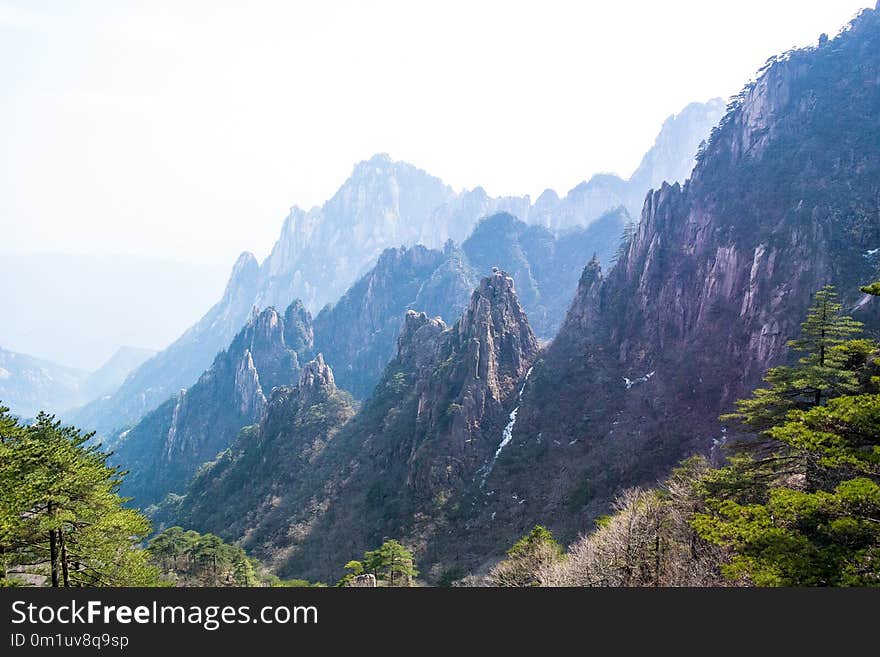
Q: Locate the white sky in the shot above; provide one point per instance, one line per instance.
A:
(186, 129)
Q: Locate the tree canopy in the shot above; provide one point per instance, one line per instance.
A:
(61, 516)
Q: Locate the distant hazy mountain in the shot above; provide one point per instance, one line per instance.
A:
(29, 385)
(107, 378)
(77, 310)
(383, 204)
(671, 159)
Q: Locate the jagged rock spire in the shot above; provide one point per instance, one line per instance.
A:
(316, 373)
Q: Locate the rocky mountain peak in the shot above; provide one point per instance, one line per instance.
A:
(417, 344)
(583, 313)
(497, 329)
(315, 374)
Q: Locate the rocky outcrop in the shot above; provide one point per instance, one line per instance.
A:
(273, 468)
(404, 466)
(167, 446)
(358, 334)
(544, 265)
(316, 374)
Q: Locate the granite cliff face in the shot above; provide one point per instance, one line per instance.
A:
(784, 199)
(166, 447)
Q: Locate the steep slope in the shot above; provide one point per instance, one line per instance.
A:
(785, 198)
(167, 446)
(252, 479)
(403, 465)
(357, 335)
(29, 385)
(545, 266)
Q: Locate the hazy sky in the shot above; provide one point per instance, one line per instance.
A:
(186, 129)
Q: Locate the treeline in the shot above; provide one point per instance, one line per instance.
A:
(796, 505)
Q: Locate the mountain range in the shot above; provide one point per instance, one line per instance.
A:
(29, 385)
(476, 432)
(384, 204)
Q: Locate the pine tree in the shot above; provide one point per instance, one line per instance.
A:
(831, 365)
(61, 510)
(808, 514)
(391, 560)
(626, 238)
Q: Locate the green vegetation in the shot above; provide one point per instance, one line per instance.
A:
(529, 561)
(391, 563)
(799, 506)
(807, 513)
(62, 521)
(188, 558)
(831, 365)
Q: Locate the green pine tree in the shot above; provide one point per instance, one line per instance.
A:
(832, 364)
(61, 512)
(391, 562)
(808, 514)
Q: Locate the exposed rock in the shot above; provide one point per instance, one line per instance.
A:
(167, 446)
(717, 278)
(315, 374)
(384, 204)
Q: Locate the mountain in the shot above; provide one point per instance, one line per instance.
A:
(29, 385)
(166, 447)
(358, 334)
(383, 204)
(253, 477)
(321, 253)
(670, 159)
(784, 199)
(473, 435)
(107, 378)
(402, 466)
(545, 266)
